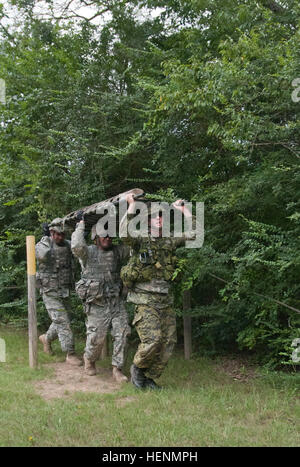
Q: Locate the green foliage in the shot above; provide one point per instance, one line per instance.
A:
(225, 130)
(194, 103)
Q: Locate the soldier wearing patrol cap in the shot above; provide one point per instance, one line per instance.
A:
(100, 289)
(54, 279)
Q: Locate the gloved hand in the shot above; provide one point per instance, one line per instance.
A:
(45, 229)
(80, 216)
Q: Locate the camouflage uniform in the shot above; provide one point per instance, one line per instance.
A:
(54, 279)
(149, 284)
(100, 290)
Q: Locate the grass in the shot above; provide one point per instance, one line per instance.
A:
(200, 406)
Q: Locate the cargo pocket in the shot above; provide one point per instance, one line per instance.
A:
(53, 283)
(94, 290)
(48, 284)
(81, 289)
(137, 318)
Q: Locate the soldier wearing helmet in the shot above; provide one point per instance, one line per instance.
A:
(54, 279)
(100, 289)
(148, 276)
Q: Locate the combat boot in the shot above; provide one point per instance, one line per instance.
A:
(89, 367)
(118, 375)
(151, 384)
(138, 378)
(72, 359)
(46, 344)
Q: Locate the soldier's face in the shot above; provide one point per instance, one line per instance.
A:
(105, 243)
(58, 238)
(156, 222)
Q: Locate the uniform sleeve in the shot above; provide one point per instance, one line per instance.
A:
(72, 262)
(124, 252)
(188, 235)
(132, 242)
(42, 249)
(78, 244)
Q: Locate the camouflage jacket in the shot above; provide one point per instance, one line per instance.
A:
(100, 269)
(151, 266)
(55, 267)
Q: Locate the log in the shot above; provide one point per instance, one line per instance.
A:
(94, 212)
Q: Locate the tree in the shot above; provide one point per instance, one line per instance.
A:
(192, 103)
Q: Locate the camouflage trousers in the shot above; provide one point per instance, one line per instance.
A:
(101, 319)
(57, 308)
(156, 328)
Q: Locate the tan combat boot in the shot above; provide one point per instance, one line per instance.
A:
(118, 375)
(46, 344)
(89, 367)
(72, 359)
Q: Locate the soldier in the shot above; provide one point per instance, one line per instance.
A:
(54, 279)
(100, 289)
(148, 277)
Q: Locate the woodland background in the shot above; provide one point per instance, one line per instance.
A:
(185, 99)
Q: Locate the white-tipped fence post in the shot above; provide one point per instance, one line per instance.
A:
(31, 283)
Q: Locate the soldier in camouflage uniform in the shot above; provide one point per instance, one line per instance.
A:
(148, 277)
(100, 289)
(54, 279)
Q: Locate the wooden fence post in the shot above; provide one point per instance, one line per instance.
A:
(104, 351)
(31, 283)
(187, 325)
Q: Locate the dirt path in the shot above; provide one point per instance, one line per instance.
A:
(68, 379)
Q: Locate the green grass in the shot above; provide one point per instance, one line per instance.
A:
(200, 406)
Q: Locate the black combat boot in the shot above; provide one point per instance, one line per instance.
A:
(137, 376)
(151, 384)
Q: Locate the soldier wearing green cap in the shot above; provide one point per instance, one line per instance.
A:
(54, 279)
(148, 276)
(100, 289)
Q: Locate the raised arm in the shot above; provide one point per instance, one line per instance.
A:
(195, 224)
(130, 214)
(78, 244)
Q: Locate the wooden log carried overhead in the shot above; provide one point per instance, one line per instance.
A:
(94, 212)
